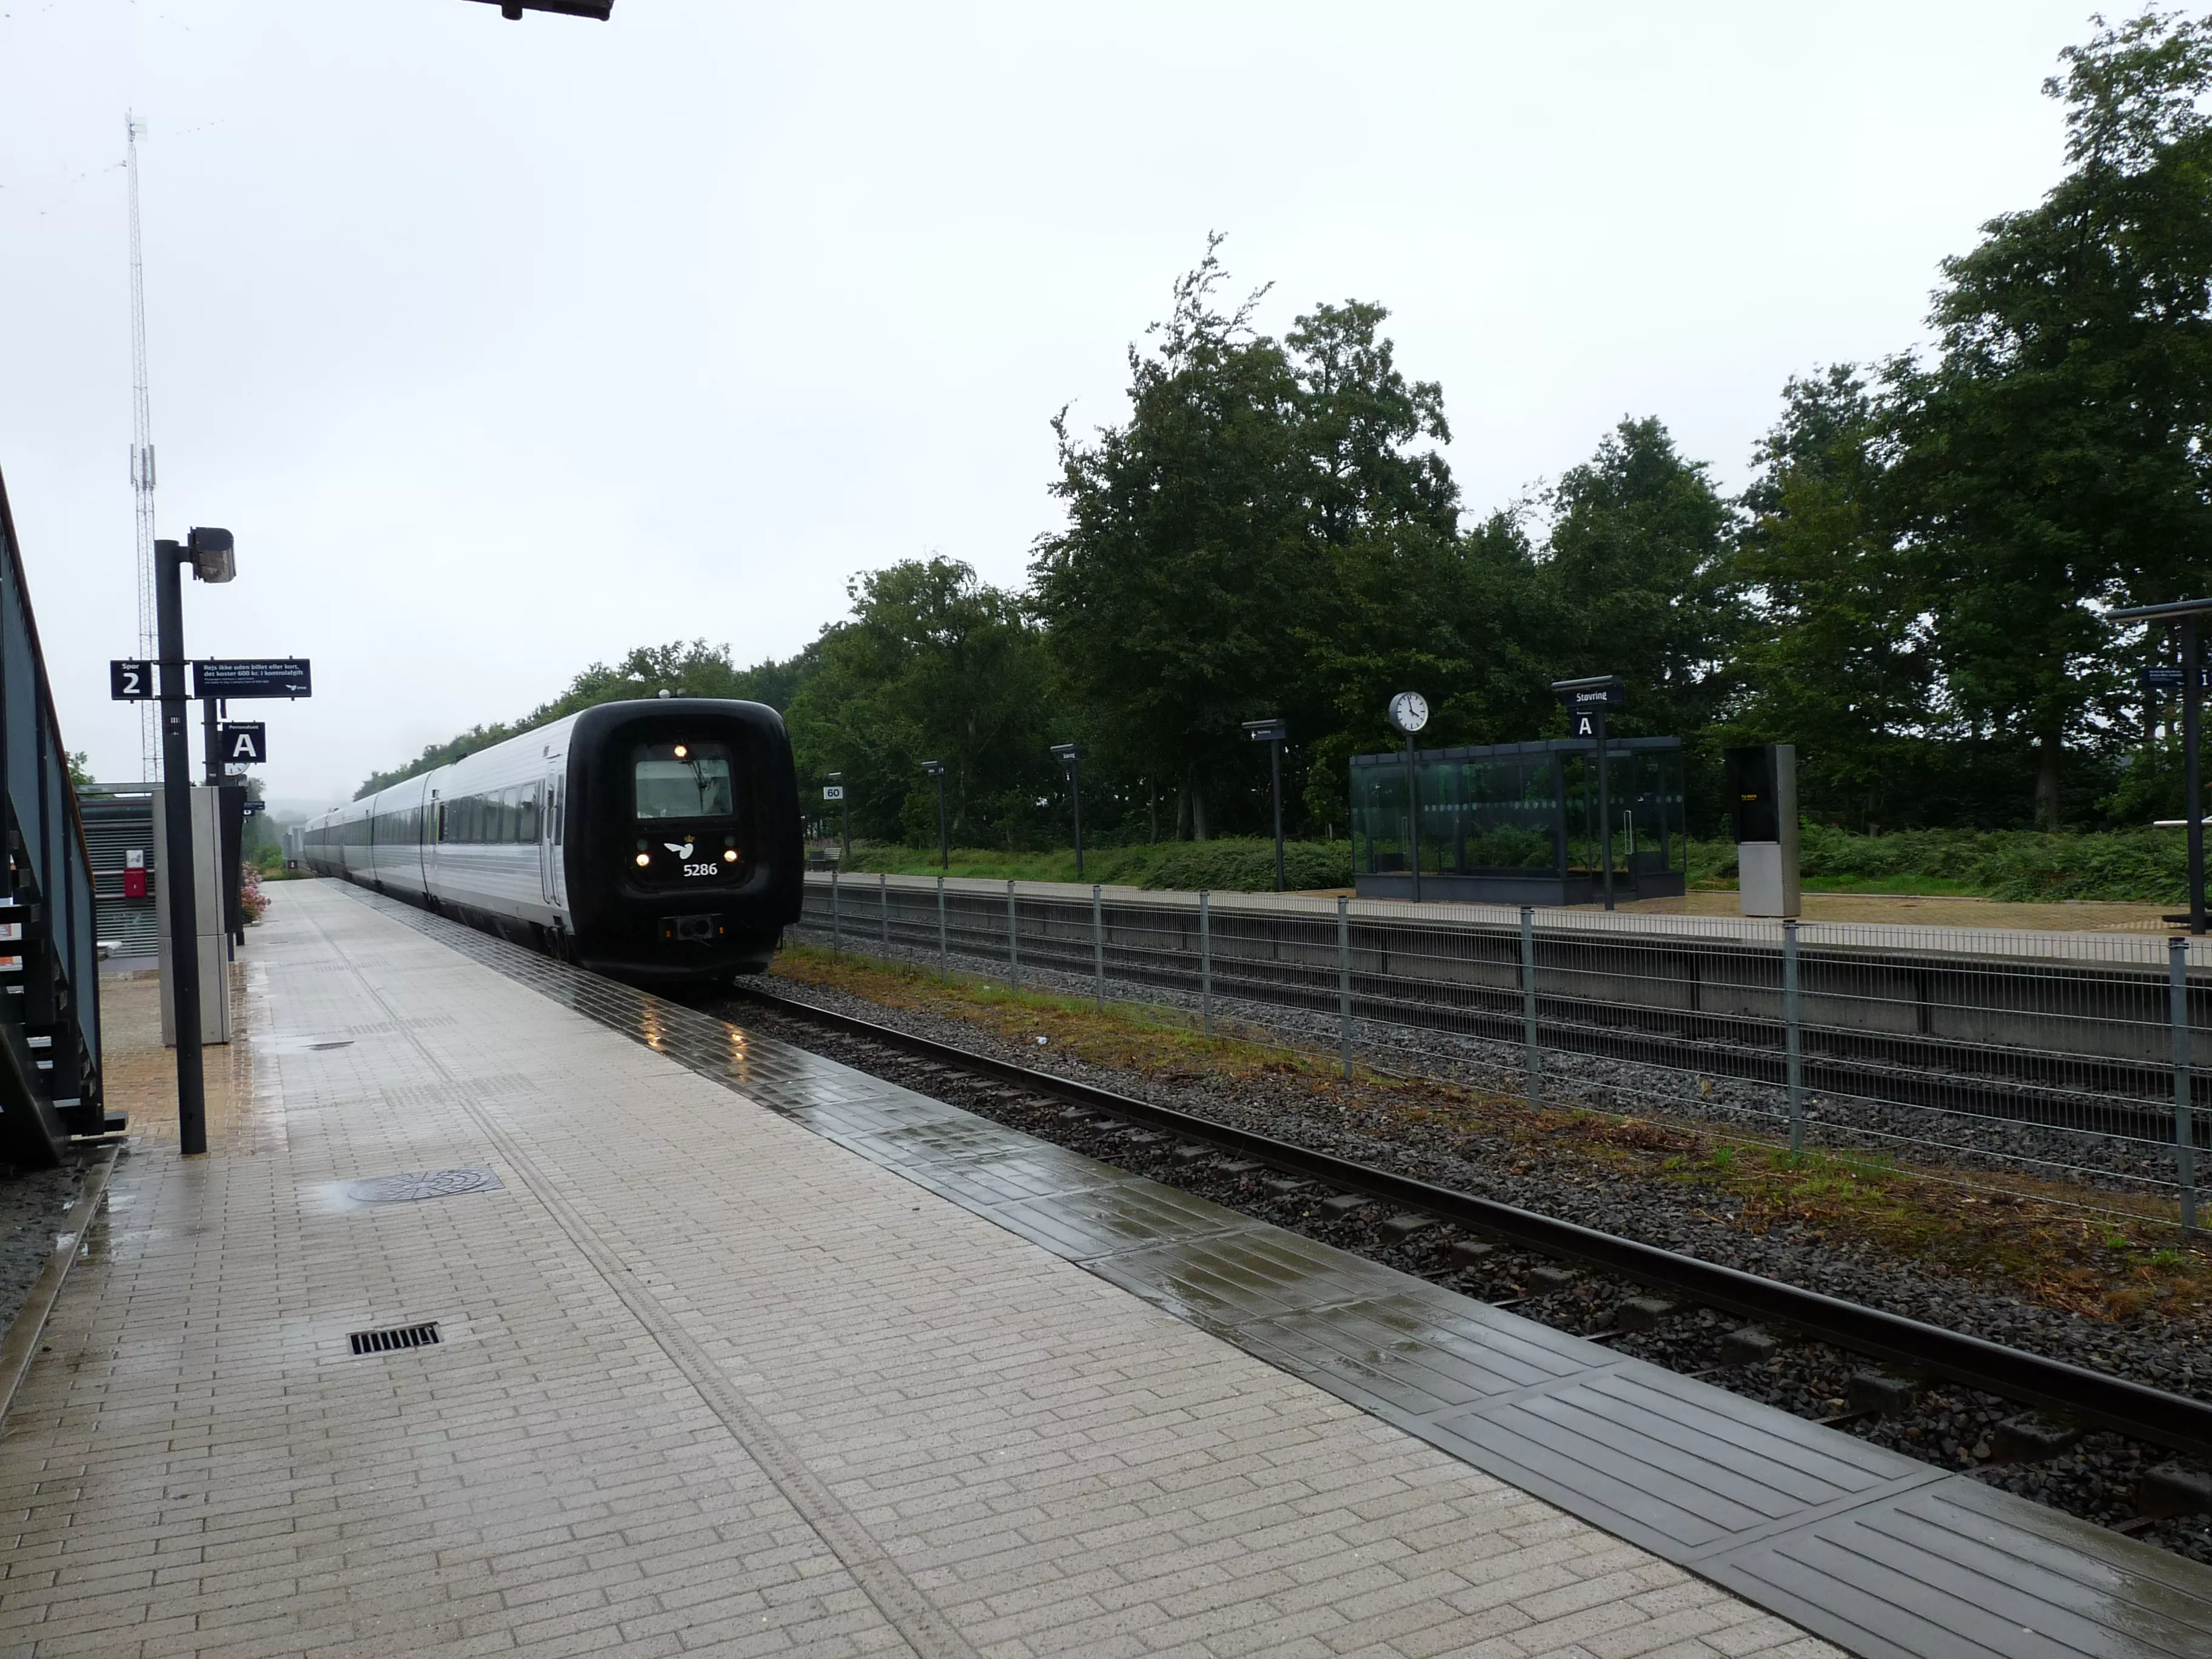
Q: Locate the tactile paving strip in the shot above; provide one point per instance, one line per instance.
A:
(1887, 1557)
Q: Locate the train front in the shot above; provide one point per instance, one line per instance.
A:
(683, 856)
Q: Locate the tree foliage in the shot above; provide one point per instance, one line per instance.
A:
(1913, 588)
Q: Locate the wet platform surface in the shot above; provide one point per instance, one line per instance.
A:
(1879, 1552)
(705, 1381)
(709, 1383)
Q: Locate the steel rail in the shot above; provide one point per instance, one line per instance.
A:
(2096, 1398)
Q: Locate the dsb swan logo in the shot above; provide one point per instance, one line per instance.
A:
(682, 849)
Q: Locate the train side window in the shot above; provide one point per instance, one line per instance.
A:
(553, 806)
(529, 834)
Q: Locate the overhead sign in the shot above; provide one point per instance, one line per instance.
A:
(131, 680)
(254, 807)
(227, 677)
(244, 744)
(1266, 731)
(833, 792)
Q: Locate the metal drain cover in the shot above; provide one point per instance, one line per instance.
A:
(431, 1183)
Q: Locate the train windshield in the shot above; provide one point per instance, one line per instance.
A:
(684, 780)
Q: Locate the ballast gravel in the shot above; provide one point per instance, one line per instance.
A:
(1940, 1423)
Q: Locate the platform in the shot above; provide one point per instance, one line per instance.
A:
(741, 1351)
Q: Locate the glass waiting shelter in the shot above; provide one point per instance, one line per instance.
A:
(1517, 822)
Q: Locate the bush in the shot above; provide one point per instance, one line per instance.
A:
(1248, 866)
(2145, 866)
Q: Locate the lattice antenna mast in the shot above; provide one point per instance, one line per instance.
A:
(141, 460)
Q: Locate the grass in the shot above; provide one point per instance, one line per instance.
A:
(2040, 1240)
(1236, 863)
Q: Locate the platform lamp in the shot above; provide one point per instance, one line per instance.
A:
(1274, 735)
(213, 558)
(936, 769)
(1071, 758)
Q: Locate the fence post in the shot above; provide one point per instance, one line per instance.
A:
(1098, 944)
(1205, 965)
(883, 899)
(1344, 987)
(833, 909)
(1529, 1002)
(2184, 1127)
(1013, 938)
(943, 966)
(1792, 1038)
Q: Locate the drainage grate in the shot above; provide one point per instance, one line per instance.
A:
(392, 1341)
(431, 1183)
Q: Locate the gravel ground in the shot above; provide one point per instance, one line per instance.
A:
(33, 1203)
(1963, 1142)
(1940, 1423)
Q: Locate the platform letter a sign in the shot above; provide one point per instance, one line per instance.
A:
(1585, 725)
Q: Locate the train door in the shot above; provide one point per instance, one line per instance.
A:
(552, 841)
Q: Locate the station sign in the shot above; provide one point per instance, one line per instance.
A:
(1266, 731)
(131, 680)
(274, 677)
(243, 744)
(254, 807)
(1610, 692)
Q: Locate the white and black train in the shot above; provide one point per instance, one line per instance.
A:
(652, 840)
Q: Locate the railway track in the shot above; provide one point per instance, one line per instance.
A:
(2065, 1390)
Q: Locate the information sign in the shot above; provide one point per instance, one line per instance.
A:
(131, 680)
(2169, 676)
(244, 744)
(227, 677)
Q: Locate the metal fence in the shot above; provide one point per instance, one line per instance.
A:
(50, 1078)
(2071, 1066)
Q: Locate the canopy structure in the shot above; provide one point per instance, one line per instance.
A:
(1517, 822)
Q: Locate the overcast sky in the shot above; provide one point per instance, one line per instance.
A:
(504, 347)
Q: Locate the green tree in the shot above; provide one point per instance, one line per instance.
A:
(1639, 561)
(2055, 451)
(933, 665)
(1837, 657)
(1182, 588)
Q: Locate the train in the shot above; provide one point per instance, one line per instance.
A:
(652, 840)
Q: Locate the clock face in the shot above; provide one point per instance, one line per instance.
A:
(1409, 711)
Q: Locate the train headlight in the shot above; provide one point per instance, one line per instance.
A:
(644, 859)
(681, 751)
(729, 855)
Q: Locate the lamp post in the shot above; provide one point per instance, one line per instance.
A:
(1409, 712)
(835, 790)
(1586, 701)
(2189, 678)
(936, 769)
(1274, 735)
(210, 554)
(1071, 757)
